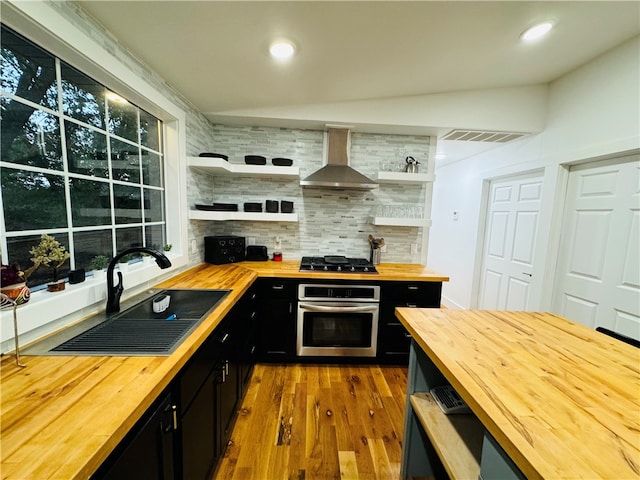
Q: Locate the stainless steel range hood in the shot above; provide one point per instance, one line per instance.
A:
(337, 173)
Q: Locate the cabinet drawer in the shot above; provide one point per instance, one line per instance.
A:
(395, 339)
(278, 289)
(412, 294)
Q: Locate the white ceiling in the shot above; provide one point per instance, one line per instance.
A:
(216, 53)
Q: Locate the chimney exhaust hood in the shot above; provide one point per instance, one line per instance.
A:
(337, 173)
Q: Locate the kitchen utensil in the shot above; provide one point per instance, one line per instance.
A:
(255, 160)
(225, 207)
(214, 155)
(272, 206)
(412, 165)
(286, 207)
(282, 162)
(252, 207)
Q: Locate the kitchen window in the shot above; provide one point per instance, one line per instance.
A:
(77, 162)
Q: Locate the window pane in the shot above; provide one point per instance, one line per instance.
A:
(18, 252)
(128, 204)
(29, 136)
(27, 71)
(32, 200)
(86, 151)
(154, 236)
(153, 205)
(123, 119)
(151, 168)
(128, 237)
(87, 245)
(149, 131)
(90, 203)
(125, 161)
(82, 97)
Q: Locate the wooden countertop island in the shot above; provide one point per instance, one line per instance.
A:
(561, 400)
(63, 415)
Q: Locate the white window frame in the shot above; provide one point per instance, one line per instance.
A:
(41, 23)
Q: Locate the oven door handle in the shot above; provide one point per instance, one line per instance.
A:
(337, 309)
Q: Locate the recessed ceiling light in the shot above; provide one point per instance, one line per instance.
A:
(282, 50)
(536, 32)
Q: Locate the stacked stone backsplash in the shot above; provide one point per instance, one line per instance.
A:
(330, 221)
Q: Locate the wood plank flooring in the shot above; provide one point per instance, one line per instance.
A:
(303, 422)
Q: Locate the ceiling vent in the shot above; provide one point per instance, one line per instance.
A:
(482, 136)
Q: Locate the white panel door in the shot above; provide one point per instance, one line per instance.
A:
(510, 234)
(598, 274)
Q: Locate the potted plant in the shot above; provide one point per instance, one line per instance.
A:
(123, 262)
(13, 283)
(98, 264)
(51, 254)
(166, 247)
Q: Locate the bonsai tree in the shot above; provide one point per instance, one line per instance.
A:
(49, 253)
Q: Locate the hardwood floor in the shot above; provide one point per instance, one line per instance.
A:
(303, 422)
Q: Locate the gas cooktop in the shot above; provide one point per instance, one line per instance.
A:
(337, 263)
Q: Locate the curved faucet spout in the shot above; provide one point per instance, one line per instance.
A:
(114, 292)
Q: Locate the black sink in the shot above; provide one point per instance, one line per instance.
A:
(138, 330)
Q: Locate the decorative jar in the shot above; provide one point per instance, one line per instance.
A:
(18, 292)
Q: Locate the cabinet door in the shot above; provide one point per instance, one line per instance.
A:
(226, 403)
(393, 338)
(147, 451)
(277, 319)
(198, 433)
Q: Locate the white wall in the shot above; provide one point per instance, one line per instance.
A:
(593, 112)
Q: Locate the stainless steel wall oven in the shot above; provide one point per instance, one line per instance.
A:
(337, 320)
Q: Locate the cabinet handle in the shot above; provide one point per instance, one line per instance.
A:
(277, 287)
(290, 307)
(253, 315)
(253, 349)
(226, 367)
(224, 338)
(224, 376)
(174, 419)
(412, 287)
(412, 305)
(253, 297)
(407, 335)
(527, 274)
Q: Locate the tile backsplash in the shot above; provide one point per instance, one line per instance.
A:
(330, 221)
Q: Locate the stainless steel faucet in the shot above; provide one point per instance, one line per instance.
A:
(115, 291)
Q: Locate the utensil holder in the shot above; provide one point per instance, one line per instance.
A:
(375, 256)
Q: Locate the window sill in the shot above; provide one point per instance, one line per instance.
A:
(47, 312)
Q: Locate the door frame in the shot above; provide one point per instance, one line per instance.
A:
(554, 195)
(483, 226)
(603, 161)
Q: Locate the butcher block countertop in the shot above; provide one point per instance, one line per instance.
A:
(386, 271)
(62, 416)
(561, 399)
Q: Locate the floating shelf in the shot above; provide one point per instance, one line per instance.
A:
(402, 177)
(245, 216)
(400, 221)
(219, 166)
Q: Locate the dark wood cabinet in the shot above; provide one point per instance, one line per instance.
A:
(147, 452)
(393, 338)
(277, 319)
